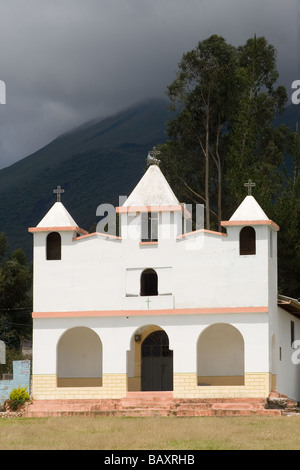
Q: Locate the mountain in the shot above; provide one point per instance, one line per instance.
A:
(94, 164)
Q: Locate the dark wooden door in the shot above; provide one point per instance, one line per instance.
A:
(157, 363)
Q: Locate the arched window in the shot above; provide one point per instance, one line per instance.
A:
(247, 241)
(53, 246)
(149, 282)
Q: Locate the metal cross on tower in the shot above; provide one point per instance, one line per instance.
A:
(154, 153)
(58, 191)
(151, 159)
(250, 185)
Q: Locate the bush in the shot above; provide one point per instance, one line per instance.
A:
(17, 398)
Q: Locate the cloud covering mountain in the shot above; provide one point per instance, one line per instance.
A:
(67, 61)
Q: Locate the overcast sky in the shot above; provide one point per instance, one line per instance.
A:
(67, 61)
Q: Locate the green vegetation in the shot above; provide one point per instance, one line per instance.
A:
(17, 398)
(15, 302)
(83, 433)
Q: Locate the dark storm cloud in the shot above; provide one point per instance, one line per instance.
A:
(67, 61)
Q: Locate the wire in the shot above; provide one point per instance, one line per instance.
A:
(16, 308)
(18, 324)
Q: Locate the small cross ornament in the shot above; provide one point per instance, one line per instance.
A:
(151, 159)
(250, 185)
(58, 191)
(154, 153)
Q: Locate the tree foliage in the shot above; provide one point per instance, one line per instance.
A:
(227, 99)
(256, 147)
(15, 295)
(205, 89)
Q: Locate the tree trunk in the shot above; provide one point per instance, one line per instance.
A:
(207, 214)
(219, 168)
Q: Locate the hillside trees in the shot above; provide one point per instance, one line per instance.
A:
(15, 295)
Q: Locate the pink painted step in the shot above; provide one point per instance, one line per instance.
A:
(151, 404)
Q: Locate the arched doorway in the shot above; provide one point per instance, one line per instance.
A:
(157, 362)
(220, 356)
(79, 358)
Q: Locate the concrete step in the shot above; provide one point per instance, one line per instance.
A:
(234, 406)
(154, 412)
(150, 395)
(72, 404)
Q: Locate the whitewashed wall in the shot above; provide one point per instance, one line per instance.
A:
(198, 271)
(116, 334)
(286, 367)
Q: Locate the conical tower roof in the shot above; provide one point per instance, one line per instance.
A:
(59, 219)
(249, 209)
(152, 189)
(249, 212)
(57, 216)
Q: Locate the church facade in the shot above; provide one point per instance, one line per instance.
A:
(159, 308)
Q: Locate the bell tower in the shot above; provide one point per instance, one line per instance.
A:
(254, 246)
(52, 252)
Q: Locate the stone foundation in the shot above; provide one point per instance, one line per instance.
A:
(44, 387)
(256, 385)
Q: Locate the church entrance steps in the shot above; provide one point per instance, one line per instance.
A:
(143, 404)
(225, 407)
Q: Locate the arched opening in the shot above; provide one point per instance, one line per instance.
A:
(134, 356)
(149, 282)
(79, 358)
(247, 241)
(220, 356)
(53, 246)
(156, 362)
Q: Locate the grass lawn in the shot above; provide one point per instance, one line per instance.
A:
(110, 433)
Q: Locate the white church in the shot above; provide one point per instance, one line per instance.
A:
(159, 308)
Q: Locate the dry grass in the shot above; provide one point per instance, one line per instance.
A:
(80, 433)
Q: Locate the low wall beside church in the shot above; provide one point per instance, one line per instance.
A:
(21, 378)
